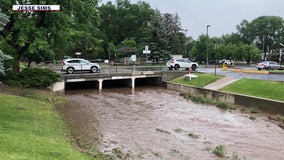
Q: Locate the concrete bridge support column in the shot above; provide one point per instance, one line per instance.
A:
(100, 84)
(133, 82)
(58, 86)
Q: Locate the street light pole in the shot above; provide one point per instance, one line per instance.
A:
(185, 43)
(207, 45)
(216, 48)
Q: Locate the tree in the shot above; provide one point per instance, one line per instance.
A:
(199, 49)
(130, 42)
(158, 40)
(161, 32)
(123, 20)
(226, 51)
(265, 31)
(233, 38)
(249, 52)
(74, 28)
(3, 20)
(172, 26)
(3, 57)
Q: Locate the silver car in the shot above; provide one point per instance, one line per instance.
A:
(267, 65)
(181, 63)
(78, 64)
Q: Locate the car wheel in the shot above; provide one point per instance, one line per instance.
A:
(170, 68)
(70, 70)
(94, 69)
(193, 67)
(177, 67)
(259, 69)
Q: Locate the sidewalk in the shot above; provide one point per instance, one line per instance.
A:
(220, 83)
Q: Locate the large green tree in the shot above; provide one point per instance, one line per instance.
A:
(265, 32)
(28, 34)
(123, 20)
(199, 49)
(161, 32)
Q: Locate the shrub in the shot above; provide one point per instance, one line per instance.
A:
(38, 77)
(224, 105)
(220, 151)
(31, 78)
(10, 78)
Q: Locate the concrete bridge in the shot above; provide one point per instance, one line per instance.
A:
(126, 74)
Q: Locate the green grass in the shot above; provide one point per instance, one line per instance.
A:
(32, 129)
(276, 71)
(202, 80)
(259, 88)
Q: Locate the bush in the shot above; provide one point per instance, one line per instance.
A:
(220, 151)
(31, 78)
(38, 77)
(10, 78)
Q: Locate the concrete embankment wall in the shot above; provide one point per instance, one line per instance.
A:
(244, 100)
(170, 75)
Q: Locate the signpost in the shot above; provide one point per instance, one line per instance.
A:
(146, 52)
(78, 54)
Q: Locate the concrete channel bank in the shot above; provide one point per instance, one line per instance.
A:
(269, 105)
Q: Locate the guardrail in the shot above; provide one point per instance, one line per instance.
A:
(120, 70)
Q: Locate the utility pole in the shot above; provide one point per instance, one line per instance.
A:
(207, 38)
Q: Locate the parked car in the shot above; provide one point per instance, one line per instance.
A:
(181, 63)
(78, 64)
(212, 61)
(267, 65)
(226, 61)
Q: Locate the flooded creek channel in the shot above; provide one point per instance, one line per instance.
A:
(154, 123)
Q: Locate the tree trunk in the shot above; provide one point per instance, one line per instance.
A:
(16, 64)
(29, 63)
(18, 56)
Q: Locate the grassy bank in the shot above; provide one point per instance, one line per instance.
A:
(259, 88)
(202, 80)
(31, 128)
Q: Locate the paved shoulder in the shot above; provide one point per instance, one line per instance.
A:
(220, 83)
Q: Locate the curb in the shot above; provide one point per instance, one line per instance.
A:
(250, 71)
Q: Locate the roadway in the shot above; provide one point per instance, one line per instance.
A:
(239, 75)
(211, 69)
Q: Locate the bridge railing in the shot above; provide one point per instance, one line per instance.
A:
(118, 70)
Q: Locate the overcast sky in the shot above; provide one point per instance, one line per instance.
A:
(222, 15)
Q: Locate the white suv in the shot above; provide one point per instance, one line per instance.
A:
(77, 64)
(181, 63)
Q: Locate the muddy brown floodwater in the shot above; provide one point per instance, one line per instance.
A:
(154, 123)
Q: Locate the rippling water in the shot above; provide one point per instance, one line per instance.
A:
(156, 123)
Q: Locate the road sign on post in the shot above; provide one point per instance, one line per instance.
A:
(146, 52)
(78, 54)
